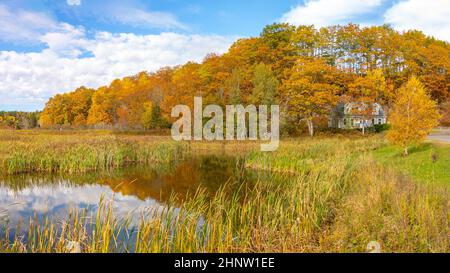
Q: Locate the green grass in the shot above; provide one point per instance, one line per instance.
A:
(420, 163)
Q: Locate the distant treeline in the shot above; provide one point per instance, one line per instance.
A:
(19, 120)
(303, 69)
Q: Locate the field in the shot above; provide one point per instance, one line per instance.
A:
(328, 194)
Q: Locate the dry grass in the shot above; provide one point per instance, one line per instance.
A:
(79, 151)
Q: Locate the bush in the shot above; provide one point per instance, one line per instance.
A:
(381, 127)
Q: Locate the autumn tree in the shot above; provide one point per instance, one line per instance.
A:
(69, 109)
(81, 101)
(102, 111)
(19, 120)
(281, 54)
(147, 116)
(152, 118)
(264, 85)
(413, 116)
(364, 92)
(233, 86)
(445, 113)
(310, 91)
(313, 65)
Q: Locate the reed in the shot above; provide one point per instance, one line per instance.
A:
(80, 152)
(333, 197)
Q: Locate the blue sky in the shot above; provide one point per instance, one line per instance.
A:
(54, 46)
(238, 18)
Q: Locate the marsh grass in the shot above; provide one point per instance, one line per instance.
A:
(81, 152)
(332, 197)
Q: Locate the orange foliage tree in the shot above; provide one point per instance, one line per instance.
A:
(311, 90)
(365, 91)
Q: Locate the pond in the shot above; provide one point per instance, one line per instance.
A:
(132, 189)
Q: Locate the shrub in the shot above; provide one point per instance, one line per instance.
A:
(381, 127)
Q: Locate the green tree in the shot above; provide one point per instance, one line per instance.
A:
(264, 86)
(233, 86)
(152, 117)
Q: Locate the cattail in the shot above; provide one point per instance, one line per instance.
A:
(434, 157)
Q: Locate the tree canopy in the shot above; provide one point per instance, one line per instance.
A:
(304, 69)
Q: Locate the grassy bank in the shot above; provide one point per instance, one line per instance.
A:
(333, 197)
(73, 152)
(427, 163)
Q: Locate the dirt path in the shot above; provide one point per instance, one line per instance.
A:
(441, 136)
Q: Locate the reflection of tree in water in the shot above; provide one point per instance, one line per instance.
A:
(214, 171)
(208, 172)
(158, 182)
(19, 182)
(149, 183)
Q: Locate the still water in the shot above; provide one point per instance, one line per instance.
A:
(133, 189)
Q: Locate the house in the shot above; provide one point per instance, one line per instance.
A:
(349, 116)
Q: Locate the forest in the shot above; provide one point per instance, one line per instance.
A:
(304, 69)
(19, 120)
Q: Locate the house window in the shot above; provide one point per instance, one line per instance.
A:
(379, 121)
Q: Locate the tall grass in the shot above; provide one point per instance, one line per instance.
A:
(333, 197)
(80, 152)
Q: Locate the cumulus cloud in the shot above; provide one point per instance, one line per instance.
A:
(432, 17)
(72, 60)
(74, 2)
(67, 41)
(329, 12)
(24, 26)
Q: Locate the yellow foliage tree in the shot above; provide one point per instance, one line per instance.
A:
(147, 116)
(413, 116)
(310, 91)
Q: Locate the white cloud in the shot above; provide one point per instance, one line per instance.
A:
(74, 2)
(58, 199)
(329, 12)
(20, 25)
(145, 19)
(68, 40)
(432, 17)
(72, 60)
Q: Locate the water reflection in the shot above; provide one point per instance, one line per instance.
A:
(133, 189)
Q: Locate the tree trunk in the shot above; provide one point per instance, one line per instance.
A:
(363, 127)
(310, 127)
(405, 151)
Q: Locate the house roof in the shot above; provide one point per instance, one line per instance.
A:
(340, 110)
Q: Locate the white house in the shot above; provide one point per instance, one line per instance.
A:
(346, 116)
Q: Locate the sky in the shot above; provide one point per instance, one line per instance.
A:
(54, 46)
